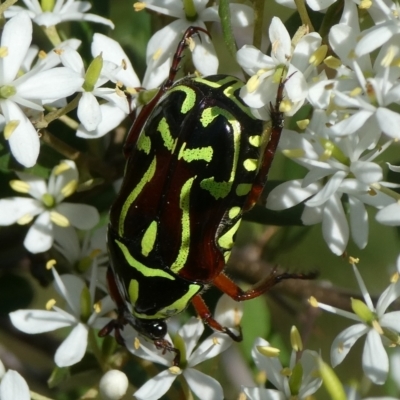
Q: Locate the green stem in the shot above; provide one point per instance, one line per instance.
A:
(302, 10)
(224, 13)
(52, 34)
(258, 22)
(94, 347)
(6, 4)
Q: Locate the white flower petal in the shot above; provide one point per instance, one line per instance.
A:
(375, 360)
(351, 124)
(312, 215)
(40, 234)
(73, 348)
(335, 229)
(328, 190)
(14, 208)
(255, 393)
(39, 321)
(89, 112)
(112, 116)
(202, 385)
(391, 320)
(280, 40)
(71, 59)
(388, 121)
(14, 387)
(190, 333)
(24, 141)
(156, 387)
(390, 215)
(16, 37)
(81, 216)
(289, 194)
(345, 341)
(205, 58)
(358, 222)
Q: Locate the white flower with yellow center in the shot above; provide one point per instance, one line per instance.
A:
(47, 203)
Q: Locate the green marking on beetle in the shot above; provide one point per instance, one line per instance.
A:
(199, 153)
(255, 140)
(174, 308)
(149, 238)
(222, 189)
(234, 212)
(217, 84)
(250, 164)
(226, 241)
(190, 98)
(243, 189)
(133, 291)
(163, 128)
(144, 143)
(184, 203)
(147, 177)
(227, 255)
(145, 271)
(229, 92)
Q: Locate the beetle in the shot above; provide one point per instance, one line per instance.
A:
(197, 159)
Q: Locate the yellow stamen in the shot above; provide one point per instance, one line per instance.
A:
(61, 167)
(332, 62)
(50, 304)
(215, 341)
(394, 278)
(302, 124)
(139, 6)
(97, 307)
(157, 54)
(69, 188)
(42, 54)
(294, 153)
(313, 302)
(59, 219)
(268, 351)
(50, 264)
(19, 186)
(377, 327)
(136, 343)
(286, 372)
(175, 370)
(3, 51)
(365, 4)
(253, 83)
(285, 106)
(9, 129)
(318, 56)
(354, 260)
(25, 219)
(295, 339)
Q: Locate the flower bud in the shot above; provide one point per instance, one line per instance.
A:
(113, 385)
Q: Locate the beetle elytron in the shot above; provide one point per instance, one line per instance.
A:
(196, 162)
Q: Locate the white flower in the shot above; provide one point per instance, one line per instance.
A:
(267, 71)
(113, 385)
(82, 314)
(27, 91)
(162, 44)
(112, 114)
(373, 321)
(316, 5)
(47, 203)
(57, 11)
(81, 252)
(266, 359)
(202, 385)
(337, 166)
(13, 387)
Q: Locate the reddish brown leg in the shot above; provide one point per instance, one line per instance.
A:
(277, 122)
(148, 108)
(223, 283)
(205, 314)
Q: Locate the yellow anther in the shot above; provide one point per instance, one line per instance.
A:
(58, 51)
(332, 62)
(50, 264)
(69, 188)
(253, 83)
(318, 56)
(42, 54)
(377, 327)
(136, 343)
(313, 302)
(3, 51)
(215, 341)
(175, 370)
(25, 219)
(139, 6)
(60, 168)
(302, 124)
(391, 53)
(286, 372)
(268, 351)
(294, 153)
(354, 260)
(97, 307)
(261, 377)
(285, 106)
(356, 92)
(394, 278)
(191, 43)
(19, 186)
(131, 90)
(10, 128)
(59, 219)
(365, 4)
(157, 54)
(50, 304)
(94, 253)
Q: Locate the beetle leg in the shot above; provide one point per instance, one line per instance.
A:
(205, 314)
(226, 285)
